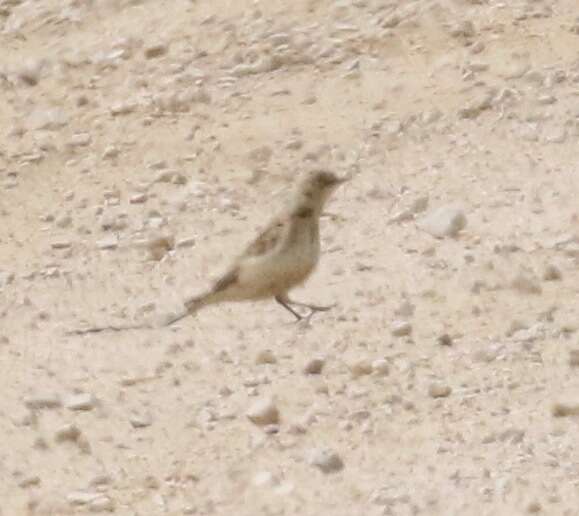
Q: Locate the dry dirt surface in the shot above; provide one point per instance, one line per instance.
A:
(144, 142)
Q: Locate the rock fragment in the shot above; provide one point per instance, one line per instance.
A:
(102, 504)
(462, 29)
(380, 367)
(526, 284)
(68, 432)
(552, 273)
(47, 401)
(263, 412)
(185, 243)
(265, 356)
(83, 401)
(565, 408)
(439, 390)
(361, 367)
(160, 246)
(326, 460)
(94, 501)
(446, 221)
(141, 420)
(401, 328)
(156, 50)
(29, 481)
(108, 243)
(314, 365)
(444, 340)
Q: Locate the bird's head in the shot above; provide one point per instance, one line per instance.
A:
(317, 187)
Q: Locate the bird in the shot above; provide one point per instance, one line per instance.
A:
(280, 258)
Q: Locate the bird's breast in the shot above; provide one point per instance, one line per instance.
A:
(277, 272)
(301, 257)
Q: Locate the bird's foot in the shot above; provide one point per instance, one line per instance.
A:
(313, 309)
(318, 308)
(288, 304)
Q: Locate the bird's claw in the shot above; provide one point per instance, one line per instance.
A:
(313, 309)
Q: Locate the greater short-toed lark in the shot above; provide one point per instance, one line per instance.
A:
(280, 258)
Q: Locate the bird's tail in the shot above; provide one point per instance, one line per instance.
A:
(192, 305)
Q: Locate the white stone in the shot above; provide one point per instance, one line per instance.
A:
(263, 412)
(445, 221)
(326, 460)
(83, 401)
(401, 328)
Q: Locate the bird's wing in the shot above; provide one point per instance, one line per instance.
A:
(268, 239)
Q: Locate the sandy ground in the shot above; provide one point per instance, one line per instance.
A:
(450, 368)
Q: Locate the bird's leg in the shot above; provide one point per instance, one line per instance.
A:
(283, 301)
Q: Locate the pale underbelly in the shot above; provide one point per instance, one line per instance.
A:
(272, 276)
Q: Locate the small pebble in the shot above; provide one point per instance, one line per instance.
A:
(31, 71)
(80, 140)
(122, 108)
(82, 497)
(326, 460)
(80, 402)
(102, 504)
(141, 420)
(462, 29)
(61, 244)
(185, 243)
(446, 221)
(552, 273)
(29, 481)
(108, 243)
(69, 432)
(43, 402)
(64, 221)
(380, 367)
(322, 388)
(565, 409)
(160, 246)
(271, 429)
(405, 310)
(111, 152)
(154, 51)
(263, 412)
(314, 365)
(526, 285)
(40, 444)
(401, 328)
(100, 480)
(439, 390)
(139, 198)
(265, 478)
(444, 340)
(265, 356)
(361, 367)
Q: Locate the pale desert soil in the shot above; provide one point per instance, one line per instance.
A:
(125, 121)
